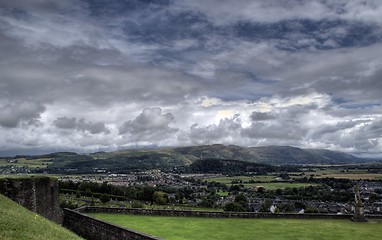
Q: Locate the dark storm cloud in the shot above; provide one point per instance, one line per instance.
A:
(260, 116)
(66, 123)
(286, 123)
(293, 35)
(80, 125)
(333, 129)
(20, 113)
(42, 5)
(373, 130)
(343, 75)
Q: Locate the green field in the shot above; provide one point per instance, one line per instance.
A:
(228, 180)
(18, 223)
(278, 185)
(263, 181)
(354, 176)
(183, 228)
(342, 172)
(32, 163)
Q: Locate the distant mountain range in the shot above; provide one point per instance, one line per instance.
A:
(168, 158)
(276, 155)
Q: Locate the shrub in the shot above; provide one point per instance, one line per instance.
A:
(137, 204)
(234, 207)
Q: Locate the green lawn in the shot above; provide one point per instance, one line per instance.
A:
(18, 223)
(183, 228)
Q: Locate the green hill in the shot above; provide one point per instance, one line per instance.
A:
(292, 155)
(18, 223)
(227, 166)
(217, 151)
(178, 157)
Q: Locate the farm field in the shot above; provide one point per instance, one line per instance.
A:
(21, 162)
(257, 181)
(183, 228)
(354, 176)
(228, 180)
(277, 185)
(343, 172)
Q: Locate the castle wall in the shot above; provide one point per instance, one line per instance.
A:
(38, 194)
(190, 213)
(95, 229)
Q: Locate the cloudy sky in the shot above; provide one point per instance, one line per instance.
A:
(102, 75)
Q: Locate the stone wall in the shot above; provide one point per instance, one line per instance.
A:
(189, 213)
(38, 194)
(91, 228)
(94, 229)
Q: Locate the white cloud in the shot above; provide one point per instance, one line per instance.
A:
(227, 131)
(76, 75)
(151, 126)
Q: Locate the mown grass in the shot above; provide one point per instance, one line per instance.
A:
(189, 228)
(18, 223)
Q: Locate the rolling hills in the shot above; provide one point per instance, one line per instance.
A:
(178, 157)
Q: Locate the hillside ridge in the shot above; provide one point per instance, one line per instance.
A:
(168, 158)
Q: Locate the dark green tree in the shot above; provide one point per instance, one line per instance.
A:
(104, 198)
(234, 207)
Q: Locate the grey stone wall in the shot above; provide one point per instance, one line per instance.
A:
(91, 228)
(38, 194)
(94, 229)
(178, 213)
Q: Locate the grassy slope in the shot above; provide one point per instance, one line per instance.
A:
(18, 223)
(181, 228)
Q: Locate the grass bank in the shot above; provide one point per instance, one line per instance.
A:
(18, 223)
(183, 228)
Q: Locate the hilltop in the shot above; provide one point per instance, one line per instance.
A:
(279, 155)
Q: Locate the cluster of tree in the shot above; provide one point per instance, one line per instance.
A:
(240, 204)
(235, 167)
(159, 195)
(266, 205)
(323, 189)
(115, 164)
